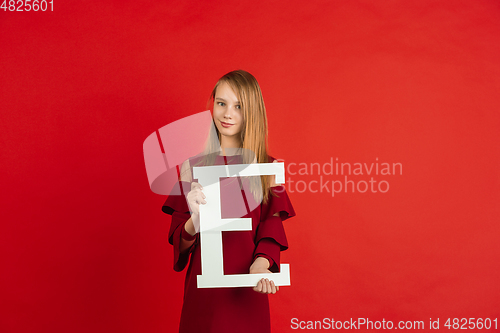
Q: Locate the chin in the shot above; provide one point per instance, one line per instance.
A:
(228, 133)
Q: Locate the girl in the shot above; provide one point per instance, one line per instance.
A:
(240, 123)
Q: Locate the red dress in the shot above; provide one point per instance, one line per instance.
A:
(229, 309)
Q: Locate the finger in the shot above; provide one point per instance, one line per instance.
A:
(277, 288)
(262, 285)
(273, 287)
(201, 199)
(265, 286)
(258, 288)
(269, 287)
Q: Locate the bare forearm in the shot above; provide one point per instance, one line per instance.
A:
(260, 265)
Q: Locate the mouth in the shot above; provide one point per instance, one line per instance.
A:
(226, 125)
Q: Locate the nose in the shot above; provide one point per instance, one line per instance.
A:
(228, 113)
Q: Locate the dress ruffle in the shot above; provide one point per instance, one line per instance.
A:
(272, 228)
(270, 238)
(275, 211)
(279, 204)
(176, 205)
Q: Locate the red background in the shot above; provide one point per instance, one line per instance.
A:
(83, 241)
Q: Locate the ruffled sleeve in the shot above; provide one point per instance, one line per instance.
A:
(279, 204)
(176, 206)
(270, 237)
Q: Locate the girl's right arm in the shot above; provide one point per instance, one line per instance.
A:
(194, 198)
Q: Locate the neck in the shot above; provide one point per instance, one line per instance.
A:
(231, 144)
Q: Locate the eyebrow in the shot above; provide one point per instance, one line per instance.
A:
(222, 99)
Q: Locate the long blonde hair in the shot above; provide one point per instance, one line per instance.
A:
(254, 133)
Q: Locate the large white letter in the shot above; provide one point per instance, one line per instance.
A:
(212, 224)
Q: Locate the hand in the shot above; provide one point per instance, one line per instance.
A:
(264, 286)
(194, 198)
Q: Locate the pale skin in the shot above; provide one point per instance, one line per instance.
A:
(229, 121)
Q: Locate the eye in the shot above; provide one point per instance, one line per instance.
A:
(221, 103)
(238, 106)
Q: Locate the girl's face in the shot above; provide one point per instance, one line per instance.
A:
(228, 116)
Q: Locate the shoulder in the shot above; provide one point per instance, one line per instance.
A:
(272, 159)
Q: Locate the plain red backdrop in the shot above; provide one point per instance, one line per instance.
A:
(83, 241)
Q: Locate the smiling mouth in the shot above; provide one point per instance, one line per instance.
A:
(226, 124)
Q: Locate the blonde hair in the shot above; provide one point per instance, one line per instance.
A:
(254, 132)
